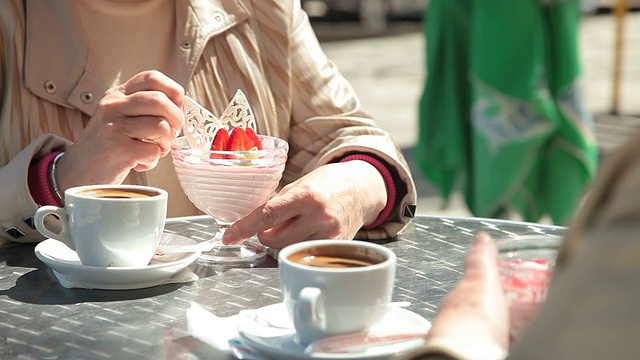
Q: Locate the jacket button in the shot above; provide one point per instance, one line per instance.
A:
(49, 86)
(186, 46)
(86, 97)
(218, 16)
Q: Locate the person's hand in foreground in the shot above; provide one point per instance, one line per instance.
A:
(131, 128)
(473, 319)
(332, 202)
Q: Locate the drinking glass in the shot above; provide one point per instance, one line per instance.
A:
(526, 264)
(228, 185)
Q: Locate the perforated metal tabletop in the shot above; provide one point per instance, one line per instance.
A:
(39, 319)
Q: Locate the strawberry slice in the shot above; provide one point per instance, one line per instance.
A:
(220, 141)
(239, 141)
(254, 138)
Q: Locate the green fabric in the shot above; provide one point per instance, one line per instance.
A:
(501, 113)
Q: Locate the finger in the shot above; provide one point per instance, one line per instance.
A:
(146, 167)
(154, 81)
(275, 212)
(136, 154)
(305, 226)
(150, 129)
(153, 103)
(292, 231)
(106, 159)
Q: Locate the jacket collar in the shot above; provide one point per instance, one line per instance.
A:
(58, 66)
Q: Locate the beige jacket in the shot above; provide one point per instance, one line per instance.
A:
(267, 48)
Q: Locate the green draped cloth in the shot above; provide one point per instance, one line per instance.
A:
(502, 114)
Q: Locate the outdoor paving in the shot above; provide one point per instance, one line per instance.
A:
(388, 74)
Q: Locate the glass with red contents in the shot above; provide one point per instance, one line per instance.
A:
(526, 264)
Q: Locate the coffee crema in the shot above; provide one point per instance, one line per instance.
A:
(118, 193)
(337, 257)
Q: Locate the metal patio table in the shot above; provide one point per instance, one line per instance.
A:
(39, 319)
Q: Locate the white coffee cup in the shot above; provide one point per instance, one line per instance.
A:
(109, 225)
(323, 300)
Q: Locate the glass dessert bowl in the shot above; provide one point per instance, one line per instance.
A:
(228, 185)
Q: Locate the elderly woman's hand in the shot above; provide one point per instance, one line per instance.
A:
(132, 127)
(332, 202)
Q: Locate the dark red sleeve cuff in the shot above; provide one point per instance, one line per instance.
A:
(39, 180)
(388, 183)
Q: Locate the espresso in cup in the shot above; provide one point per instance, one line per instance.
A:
(343, 256)
(118, 192)
(333, 287)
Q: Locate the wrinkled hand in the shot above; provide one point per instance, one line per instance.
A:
(132, 127)
(332, 202)
(476, 309)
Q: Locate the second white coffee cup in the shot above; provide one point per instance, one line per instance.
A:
(333, 287)
(109, 225)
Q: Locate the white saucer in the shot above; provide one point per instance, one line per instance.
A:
(67, 267)
(271, 333)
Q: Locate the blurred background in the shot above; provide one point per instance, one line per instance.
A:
(379, 45)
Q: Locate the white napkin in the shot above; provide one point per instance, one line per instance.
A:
(183, 276)
(219, 332)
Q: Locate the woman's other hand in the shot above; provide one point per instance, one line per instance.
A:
(332, 202)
